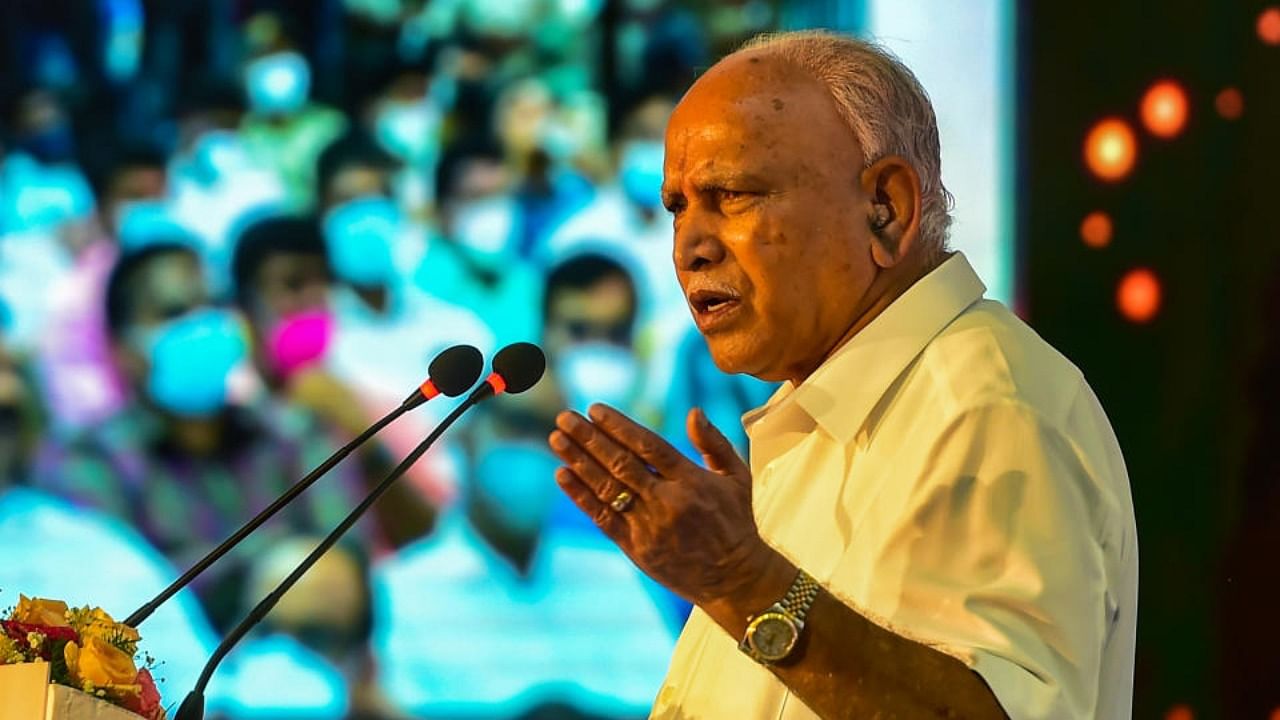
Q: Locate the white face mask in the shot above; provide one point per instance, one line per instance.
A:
(409, 130)
(278, 84)
(216, 155)
(597, 372)
(486, 227)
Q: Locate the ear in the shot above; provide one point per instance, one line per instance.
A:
(894, 185)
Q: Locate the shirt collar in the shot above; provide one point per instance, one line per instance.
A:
(841, 393)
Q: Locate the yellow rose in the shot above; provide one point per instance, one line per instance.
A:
(101, 663)
(97, 623)
(37, 611)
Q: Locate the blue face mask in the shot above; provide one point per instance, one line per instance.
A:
(191, 359)
(517, 482)
(277, 84)
(140, 223)
(592, 372)
(409, 130)
(46, 197)
(640, 172)
(359, 235)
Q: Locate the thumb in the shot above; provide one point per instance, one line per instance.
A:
(717, 452)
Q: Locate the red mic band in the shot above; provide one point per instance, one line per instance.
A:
(497, 383)
(429, 389)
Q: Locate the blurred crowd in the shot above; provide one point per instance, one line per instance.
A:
(233, 234)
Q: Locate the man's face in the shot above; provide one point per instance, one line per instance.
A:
(772, 245)
(600, 313)
(169, 287)
(131, 184)
(356, 181)
(289, 283)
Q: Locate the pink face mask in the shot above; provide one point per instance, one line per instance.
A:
(299, 340)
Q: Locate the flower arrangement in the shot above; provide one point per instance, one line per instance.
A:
(85, 648)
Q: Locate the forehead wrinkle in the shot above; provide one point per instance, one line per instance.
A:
(743, 90)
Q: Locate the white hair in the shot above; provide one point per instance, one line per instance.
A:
(884, 105)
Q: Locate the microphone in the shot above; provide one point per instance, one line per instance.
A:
(451, 373)
(516, 368)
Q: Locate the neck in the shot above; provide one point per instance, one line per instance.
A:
(199, 436)
(375, 297)
(888, 286)
(517, 548)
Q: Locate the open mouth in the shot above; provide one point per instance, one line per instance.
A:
(712, 305)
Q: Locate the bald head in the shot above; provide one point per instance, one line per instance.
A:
(766, 100)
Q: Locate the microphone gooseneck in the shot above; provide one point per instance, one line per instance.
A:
(457, 367)
(523, 368)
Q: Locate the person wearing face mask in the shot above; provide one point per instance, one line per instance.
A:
(589, 310)
(283, 127)
(284, 284)
(387, 330)
(404, 116)
(193, 453)
(216, 181)
(473, 262)
(589, 331)
(472, 613)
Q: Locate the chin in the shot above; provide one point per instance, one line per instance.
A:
(734, 356)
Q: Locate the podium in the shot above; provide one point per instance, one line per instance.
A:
(26, 694)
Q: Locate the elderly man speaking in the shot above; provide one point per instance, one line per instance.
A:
(936, 519)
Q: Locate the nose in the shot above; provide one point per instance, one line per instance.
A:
(696, 245)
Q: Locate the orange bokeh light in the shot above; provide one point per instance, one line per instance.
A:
(1275, 714)
(1095, 230)
(1179, 712)
(1164, 109)
(1269, 26)
(1138, 296)
(1230, 105)
(1110, 149)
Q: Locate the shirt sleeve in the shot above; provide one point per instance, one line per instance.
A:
(1003, 561)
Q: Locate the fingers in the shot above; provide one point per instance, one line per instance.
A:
(717, 451)
(595, 457)
(639, 440)
(585, 498)
(602, 485)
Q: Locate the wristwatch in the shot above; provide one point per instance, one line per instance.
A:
(772, 635)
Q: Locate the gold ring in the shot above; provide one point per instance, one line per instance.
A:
(622, 501)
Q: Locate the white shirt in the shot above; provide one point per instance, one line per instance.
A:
(388, 354)
(460, 634)
(951, 477)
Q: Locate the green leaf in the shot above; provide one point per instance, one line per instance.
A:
(58, 670)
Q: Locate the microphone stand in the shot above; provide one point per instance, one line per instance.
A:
(192, 707)
(296, 489)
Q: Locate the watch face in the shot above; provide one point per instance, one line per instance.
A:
(773, 635)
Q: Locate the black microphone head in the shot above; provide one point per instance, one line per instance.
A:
(520, 365)
(455, 370)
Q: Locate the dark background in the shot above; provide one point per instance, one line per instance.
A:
(1193, 395)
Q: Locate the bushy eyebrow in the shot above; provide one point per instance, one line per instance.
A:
(719, 179)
